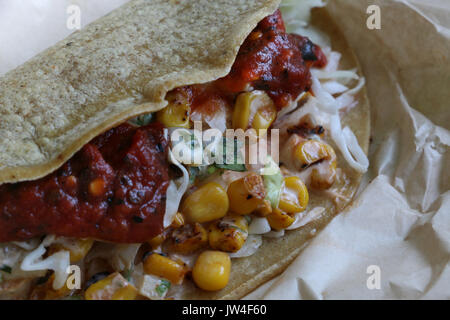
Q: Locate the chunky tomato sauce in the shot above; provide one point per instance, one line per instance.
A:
(270, 60)
(113, 189)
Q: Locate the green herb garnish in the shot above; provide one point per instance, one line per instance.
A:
(127, 274)
(163, 287)
(142, 120)
(235, 163)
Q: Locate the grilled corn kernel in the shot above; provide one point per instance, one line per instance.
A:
(188, 238)
(264, 209)
(264, 117)
(208, 203)
(228, 234)
(78, 248)
(279, 220)
(246, 194)
(253, 109)
(164, 267)
(156, 241)
(310, 152)
(323, 175)
(113, 287)
(176, 113)
(178, 220)
(211, 271)
(294, 197)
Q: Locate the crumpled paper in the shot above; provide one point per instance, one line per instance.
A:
(394, 240)
(397, 231)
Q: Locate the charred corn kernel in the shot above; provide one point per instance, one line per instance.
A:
(310, 152)
(113, 287)
(97, 187)
(46, 292)
(188, 238)
(253, 109)
(294, 197)
(176, 113)
(78, 248)
(264, 117)
(211, 271)
(323, 175)
(156, 241)
(208, 203)
(164, 267)
(228, 234)
(178, 220)
(264, 209)
(246, 194)
(279, 220)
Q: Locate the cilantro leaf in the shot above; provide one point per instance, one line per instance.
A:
(142, 120)
(163, 287)
(232, 162)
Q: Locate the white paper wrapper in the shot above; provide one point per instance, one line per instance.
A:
(399, 224)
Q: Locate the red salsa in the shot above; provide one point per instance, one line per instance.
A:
(114, 189)
(270, 60)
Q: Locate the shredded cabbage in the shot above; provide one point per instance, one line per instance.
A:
(58, 262)
(175, 192)
(259, 226)
(275, 234)
(250, 246)
(273, 180)
(296, 15)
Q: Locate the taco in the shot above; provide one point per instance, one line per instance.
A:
(105, 176)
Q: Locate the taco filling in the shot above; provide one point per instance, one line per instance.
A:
(128, 186)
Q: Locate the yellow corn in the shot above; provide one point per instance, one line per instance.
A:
(294, 197)
(320, 153)
(253, 110)
(164, 267)
(312, 151)
(211, 271)
(246, 194)
(156, 241)
(113, 287)
(188, 238)
(178, 221)
(129, 292)
(228, 234)
(208, 203)
(324, 175)
(264, 209)
(176, 113)
(279, 220)
(78, 248)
